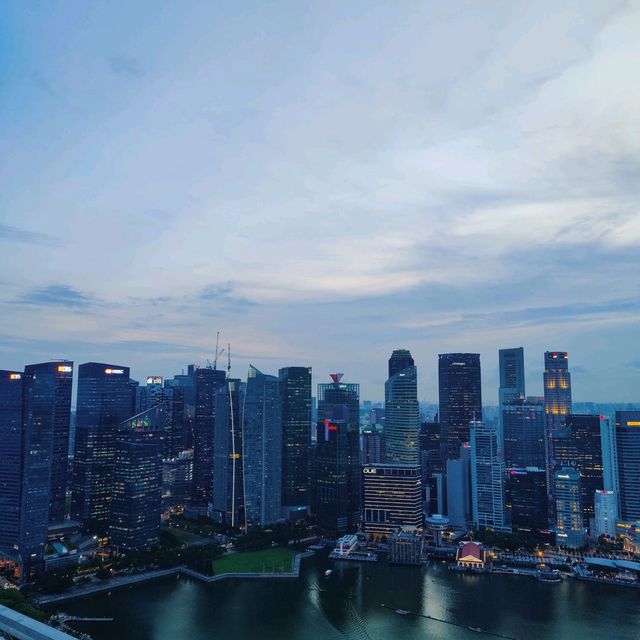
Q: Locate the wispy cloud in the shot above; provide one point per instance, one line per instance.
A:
(57, 295)
(17, 234)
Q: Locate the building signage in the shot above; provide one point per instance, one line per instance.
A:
(111, 372)
(63, 368)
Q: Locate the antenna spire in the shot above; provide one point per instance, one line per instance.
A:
(228, 360)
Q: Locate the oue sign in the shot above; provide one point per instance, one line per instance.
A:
(369, 470)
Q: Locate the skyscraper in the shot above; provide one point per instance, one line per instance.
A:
(295, 394)
(606, 513)
(627, 437)
(134, 521)
(511, 365)
(523, 422)
(527, 499)
(50, 408)
(332, 470)
(104, 401)
(10, 460)
(207, 383)
(262, 442)
(487, 478)
(557, 385)
(347, 394)
(402, 415)
(228, 461)
(460, 398)
(579, 444)
(459, 489)
(569, 525)
(392, 497)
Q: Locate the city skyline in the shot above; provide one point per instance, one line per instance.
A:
(322, 186)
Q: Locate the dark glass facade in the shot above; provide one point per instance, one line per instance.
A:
(104, 402)
(628, 457)
(400, 359)
(347, 394)
(402, 414)
(460, 398)
(527, 499)
(262, 442)
(295, 393)
(523, 423)
(579, 445)
(207, 383)
(10, 459)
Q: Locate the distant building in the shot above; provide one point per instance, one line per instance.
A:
(627, 436)
(346, 544)
(405, 547)
(262, 442)
(606, 513)
(460, 398)
(228, 482)
(104, 402)
(527, 499)
(402, 414)
(392, 497)
(177, 479)
(511, 367)
(523, 424)
(487, 478)
(134, 522)
(372, 445)
(437, 524)
(570, 531)
(295, 393)
(557, 383)
(471, 555)
(207, 383)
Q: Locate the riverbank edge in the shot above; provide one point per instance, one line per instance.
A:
(125, 581)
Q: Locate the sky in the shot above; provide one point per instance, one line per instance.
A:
(323, 182)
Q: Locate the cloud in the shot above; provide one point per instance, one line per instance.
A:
(57, 295)
(125, 65)
(16, 234)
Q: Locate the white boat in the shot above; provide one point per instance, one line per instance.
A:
(328, 572)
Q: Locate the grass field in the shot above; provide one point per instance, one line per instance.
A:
(182, 536)
(274, 560)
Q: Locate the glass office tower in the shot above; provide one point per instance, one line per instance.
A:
(402, 414)
(262, 442)
(511, 368)
(627, 435)
(104, 401)
(460, 398)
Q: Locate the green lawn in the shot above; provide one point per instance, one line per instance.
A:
(274, 560)
(182, 536)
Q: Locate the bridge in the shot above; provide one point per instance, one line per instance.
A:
(21, 627)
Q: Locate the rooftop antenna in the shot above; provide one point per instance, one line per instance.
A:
(215, 359)
(228, 360)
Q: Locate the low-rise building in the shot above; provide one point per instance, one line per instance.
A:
(405, 547)
(471, 555)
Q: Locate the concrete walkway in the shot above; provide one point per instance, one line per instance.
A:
(22, 627)
(124, 581)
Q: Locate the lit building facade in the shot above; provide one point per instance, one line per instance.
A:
(460, 398)
(606, 513)
(134, 523)
(104, 402)
(392, 497)
(262, 442)
(570, 530)
(295, 395)
(402, 414)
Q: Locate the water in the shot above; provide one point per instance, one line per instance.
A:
(346, 604)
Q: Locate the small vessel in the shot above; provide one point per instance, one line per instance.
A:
(402, 612)
(328, 572)
(476, 629)
(545, 574)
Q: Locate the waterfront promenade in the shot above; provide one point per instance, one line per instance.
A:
(124, 581)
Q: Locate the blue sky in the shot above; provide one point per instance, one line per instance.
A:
(322, 182)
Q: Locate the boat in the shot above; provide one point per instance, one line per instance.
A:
(402, 612)
(545, 574)
(476, 629)
(328, 572)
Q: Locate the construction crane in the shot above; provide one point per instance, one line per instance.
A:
(218, 353)
(228, 360)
